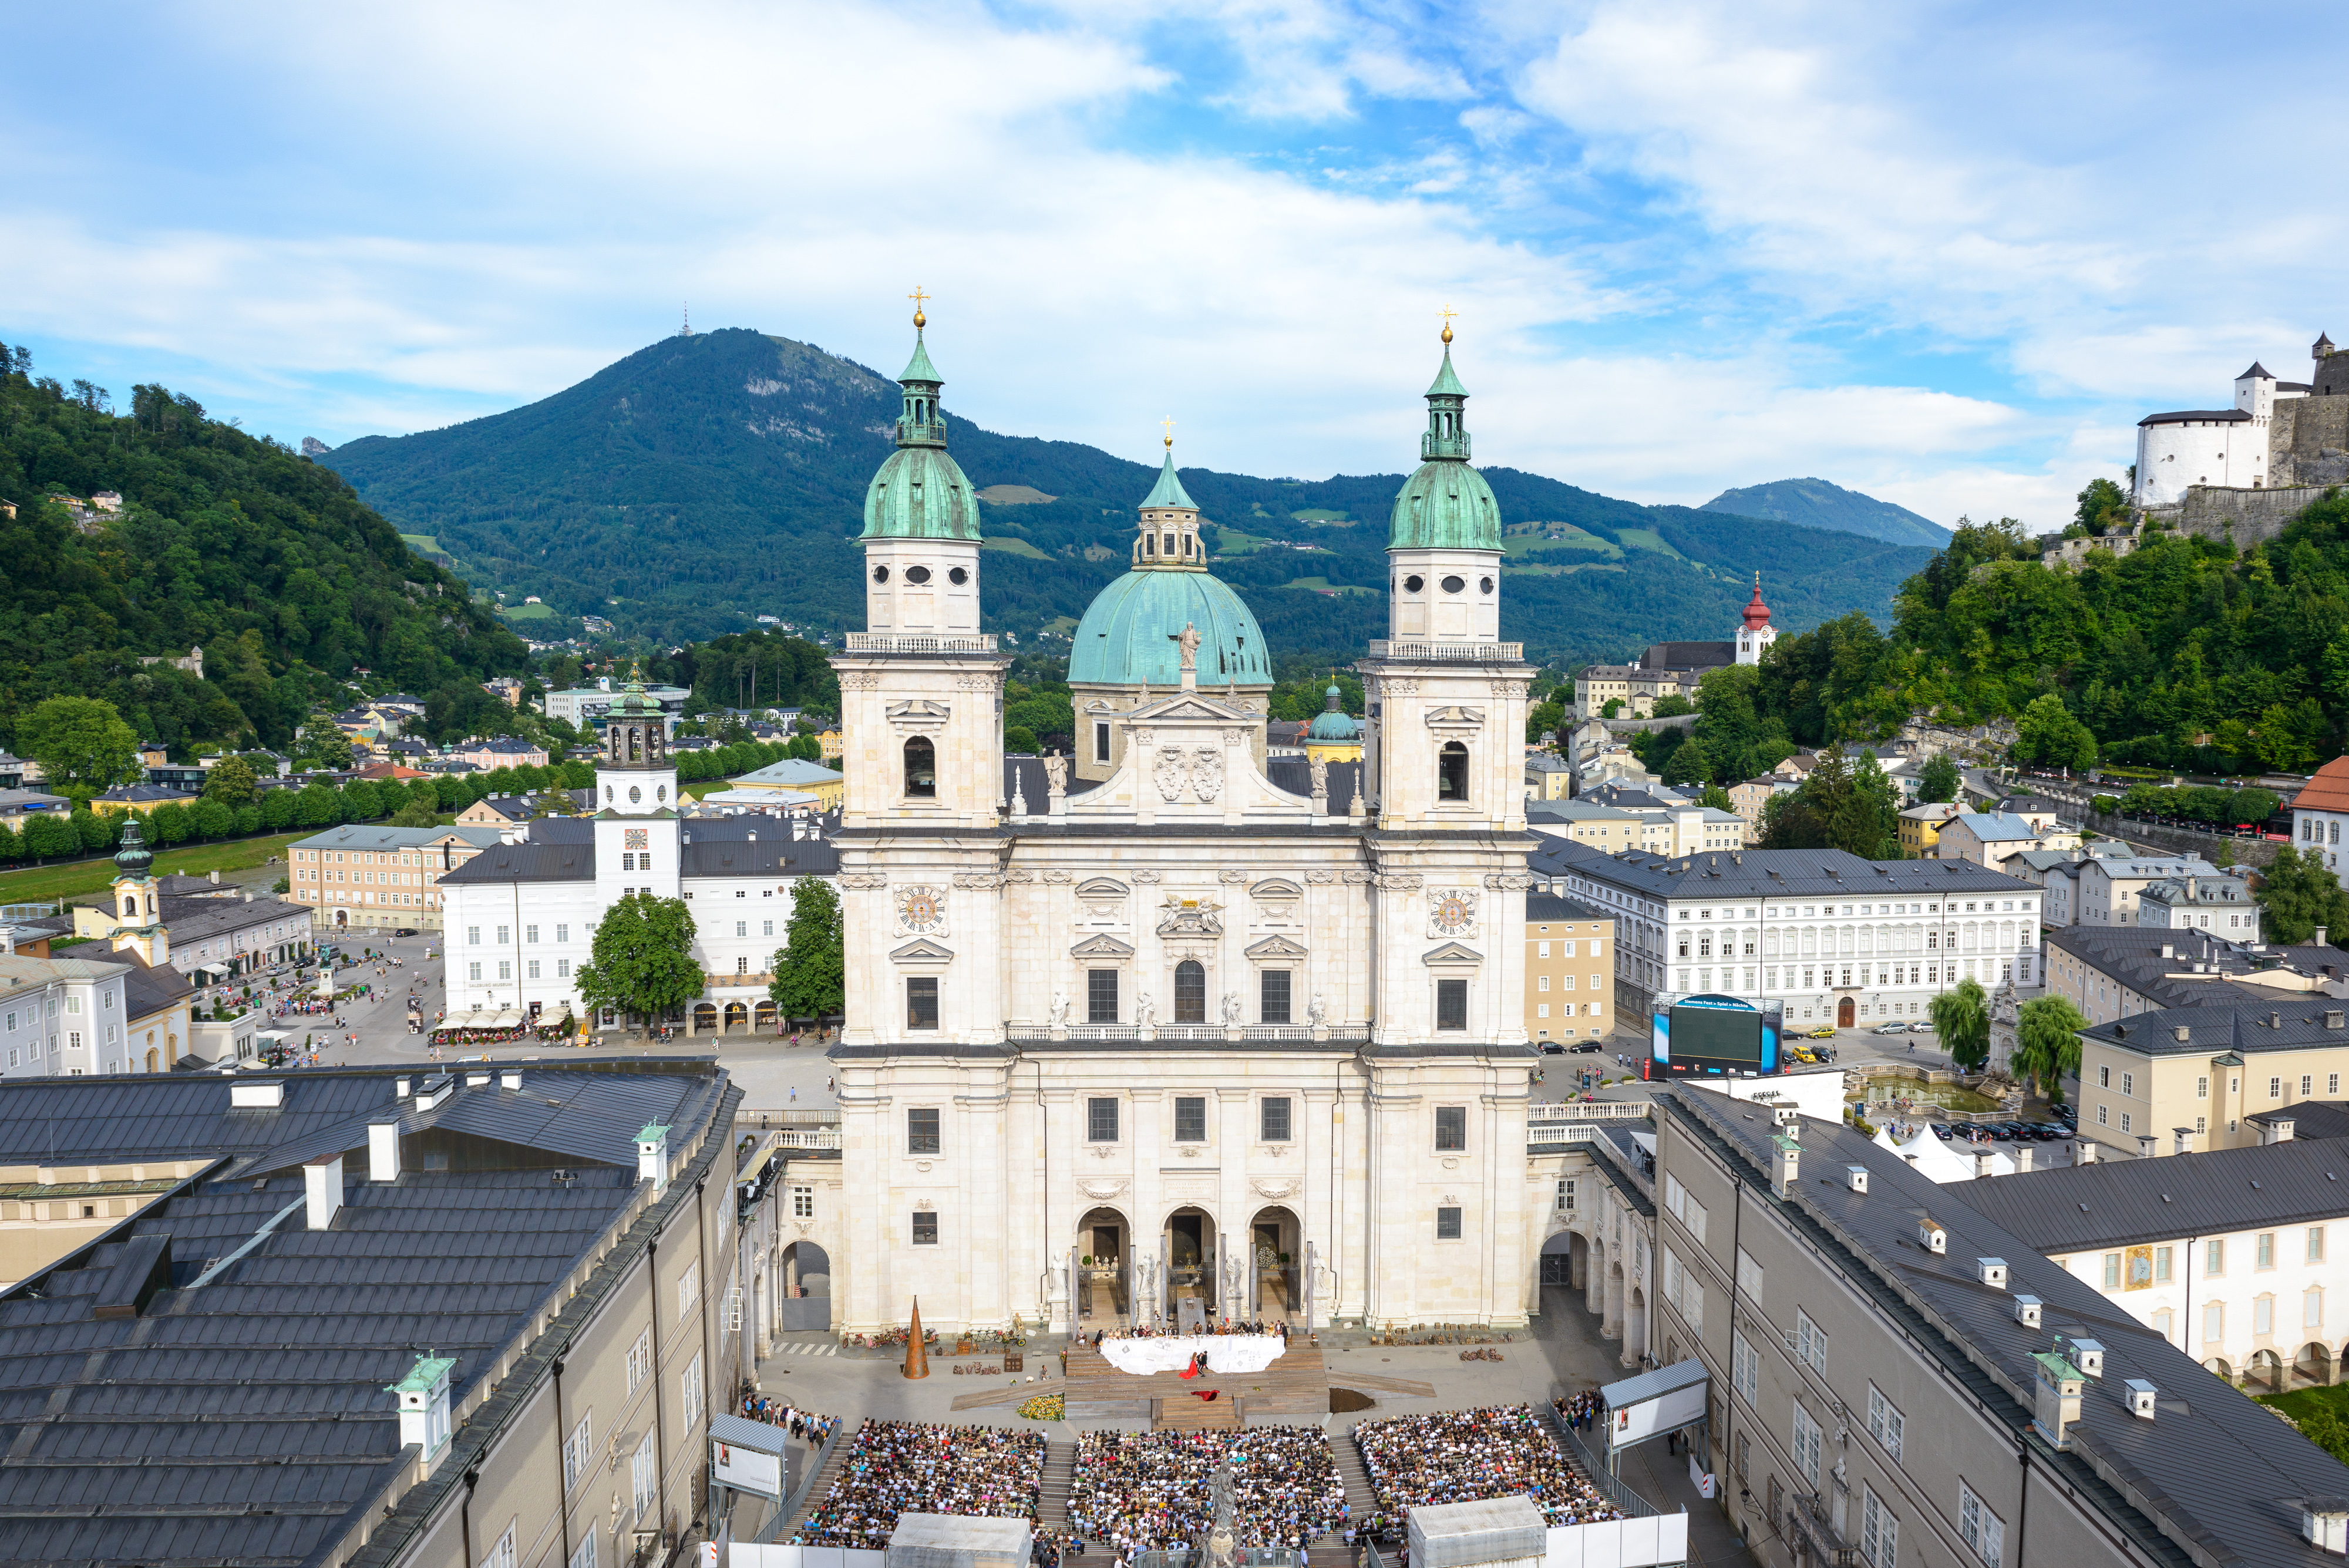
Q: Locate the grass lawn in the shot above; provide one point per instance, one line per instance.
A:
(1013, 546)
(75, 877)
(425, 542)
(2301, 1403)
(526, 612)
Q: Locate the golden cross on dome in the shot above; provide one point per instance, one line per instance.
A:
(1447, 313)
(1169, 423)
(917, 297)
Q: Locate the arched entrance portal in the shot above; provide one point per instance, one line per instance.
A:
(1189, 1245)
(1275, 1270)
(738, 1017)
(1104, 1286)
(805, 1287)
(1635, 1328)
(1843, 1014)
(1562, 1259)
(705, 1018)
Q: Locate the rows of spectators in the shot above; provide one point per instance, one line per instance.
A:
(912, 1466)
(1140, 1491)
(1466, 1456)
(804, 1425)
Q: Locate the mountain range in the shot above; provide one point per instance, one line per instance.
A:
(1815, 503)
(704, 479)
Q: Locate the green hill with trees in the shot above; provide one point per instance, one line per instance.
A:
(1815, 503)
(223, 541)
(706, 479)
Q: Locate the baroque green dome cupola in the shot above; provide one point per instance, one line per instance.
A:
(920, 492)
(1446, 505)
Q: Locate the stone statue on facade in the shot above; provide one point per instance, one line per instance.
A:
(1187, 640)
(2005, 1026)
(1317, 768)
(1231, 1007)
(1059, 1008)
(1145, 1011)
(1056, 774)
(1317, 1012)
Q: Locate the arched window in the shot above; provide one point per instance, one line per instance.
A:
(130, 909)
(1190, 991)
(921, 768)
(1170, 544)
(1452, 772)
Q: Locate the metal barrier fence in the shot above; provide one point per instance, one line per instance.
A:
(1633, 1505)
(791, 1505)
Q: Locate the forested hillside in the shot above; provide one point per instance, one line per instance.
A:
(2185, 654)
(263, 559)
(1815, 503)
(706, 479)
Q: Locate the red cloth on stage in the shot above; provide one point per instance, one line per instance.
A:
(1190, 1371)
(1206, 1395)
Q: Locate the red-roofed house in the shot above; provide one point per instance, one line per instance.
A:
(2321, 810)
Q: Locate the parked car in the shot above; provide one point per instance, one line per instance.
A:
(1552, 1048)
(1824, 1032)
(1944, 1129)
(1893, 1028)
(2052, 1132)
(1586, 1048)
(1920, 1027)
(2068, 1114)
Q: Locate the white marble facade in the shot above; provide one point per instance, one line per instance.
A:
(1182, 1011)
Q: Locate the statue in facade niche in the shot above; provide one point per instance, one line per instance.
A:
(1231, 1007)
(1317, 1012)
(1059, 1008)
(1145, 1011)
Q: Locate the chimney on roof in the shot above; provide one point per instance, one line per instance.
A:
(423, 1398)
(2276, 1130)
(2145, 1142)
(652, 1155)
(2083, 1151)
(2319, 938)
(321, 1186)
(2181, 1140)
(2023, 1156)
(383, 1150)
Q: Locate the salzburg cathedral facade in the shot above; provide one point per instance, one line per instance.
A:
(1170, 1028)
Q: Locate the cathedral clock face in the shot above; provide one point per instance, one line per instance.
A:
(1450, 912)
(921, 908)
(636, 839)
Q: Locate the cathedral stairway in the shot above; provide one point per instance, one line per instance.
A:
(1052, 1497)
(1185, 1413)
(821, 1489)
(1360, 1501)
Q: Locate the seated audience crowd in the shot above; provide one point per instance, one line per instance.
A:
(912, 1467)
(1465, 1456)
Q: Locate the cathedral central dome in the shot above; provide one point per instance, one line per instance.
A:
(1128, 634)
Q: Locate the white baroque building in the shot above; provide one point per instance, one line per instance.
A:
(1182, 1024)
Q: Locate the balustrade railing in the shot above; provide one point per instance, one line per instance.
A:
(900, 642)
(1448, 652)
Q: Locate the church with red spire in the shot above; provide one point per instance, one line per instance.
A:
(1755, 636)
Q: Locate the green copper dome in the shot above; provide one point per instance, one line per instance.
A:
(1333, 722)
(1128, 634)
(134, 859)
(1446, 505)
(920, 492)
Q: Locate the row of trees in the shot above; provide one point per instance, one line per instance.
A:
(2213, 804)
(2047, 1043)
(642, 963)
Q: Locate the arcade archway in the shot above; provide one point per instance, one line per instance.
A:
(1188, 1242)
(1275, 1265)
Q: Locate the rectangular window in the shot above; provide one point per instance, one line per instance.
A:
(2129, 1083)
(2264, 1251)
(803, 1202)
(473, 970)
(584, 1555)
(530, 933)
(2202, 1088)
(2263, 1315)
(926, 1228)
(2275, 1088)
(1447, 1224)
(533, 969)
(1190, 1118)
(2312, 1309)
(1810, 1343)
(922, 1131)
(1452, 1004)
(2316, 1243)
(505, 969)
(503, 931)
(689, 1391)
(1272, 996)
(1272, 1120)
(578, 1450)
(2214, 1322)
(1883, 1423)
(1101, 1121)
(1100, 743)
(1566, 1194)
(642, 1473)
(1807, 1448)
(473, 936)
(921, 1001)
(688, 1288)
(501, 1555)
(1749, 1273)
(1451, 1130)
(2112, 1271)
(1879, 1533)
(742, 928)
(1979, 1528)
(563, 969)
(562, 934)
(1744, 1371)
(766, 927)
(640, 1360)
(1101, 996)
(2104, 1077)
(2161, 1265)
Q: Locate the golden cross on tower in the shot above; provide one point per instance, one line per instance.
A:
(1169, 423)
(1447, 313)
(917, 297)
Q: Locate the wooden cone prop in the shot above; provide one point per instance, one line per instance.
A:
(917, 1360)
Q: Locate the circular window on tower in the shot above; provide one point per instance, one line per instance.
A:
(917, 573)
(1486, 585)
(959, 576)
(635, 795)
(1412, 584)
(1453, 585)
(607, 795)
(661, 793)
(880, 574)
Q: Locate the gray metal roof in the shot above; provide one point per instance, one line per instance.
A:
(2112, 1203)
(244, 1420)
(2133, 956)
(1769, 874)
(2212, 1468)
(1550, 906)
(2293, 1022)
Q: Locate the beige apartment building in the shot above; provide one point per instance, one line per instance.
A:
(1569, 970)
(1896, 1381)
(376, 878)
(2188, 1078)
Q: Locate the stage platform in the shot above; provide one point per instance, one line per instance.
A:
(1293, 1391)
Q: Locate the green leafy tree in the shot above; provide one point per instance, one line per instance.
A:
(2103, 507)
(1938, 780)
(12, 847)
(2048, 733)
(316, 807)
(212, 819)
(810, 966)
(1544, 718)
(280, 809)
(1611, 709)
(248, 819)
(1961, 1018)
(362, 802)
(1672, 707)
(170, 822)
(49, 835)
(2298, 894)
(643, 965)
(95, 832)
(321, 744)
(415, 814)
(81, 742)
(231, 781)
(1717, 797)
(2047, 1044)
(1016, 739)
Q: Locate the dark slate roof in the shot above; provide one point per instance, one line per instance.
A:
(191, 920)
(2116, 1202)
(147, 990)
(1550, 906)
(2257, 370)
(2292, 1021)
(2310, 1119)
(1769, 873)
(1027, 772)
(569, 861)
(246, 1420)
(172, 885)
(2223, 1468)
(1687, 655)
(2185, 416)
(754, 847)
(2131, 956)
(1295, 774)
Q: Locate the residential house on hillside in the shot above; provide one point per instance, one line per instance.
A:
(1570, 951)
(1921, 828)
(2222, 903)
(2320, 810)
(1993, 838)
(500, 751)
(141, 798)
(2109, 885)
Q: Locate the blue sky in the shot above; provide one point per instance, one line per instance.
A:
(1945, 255)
